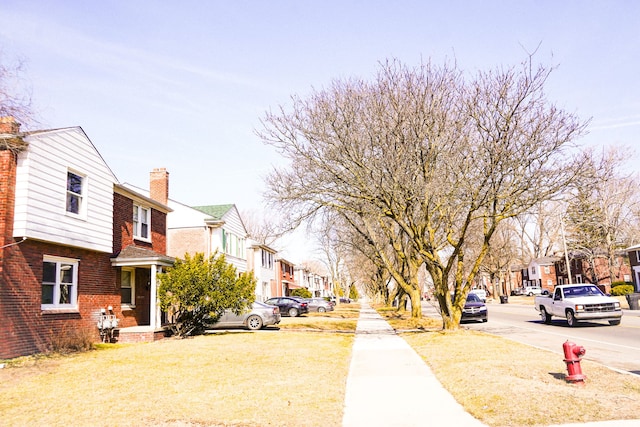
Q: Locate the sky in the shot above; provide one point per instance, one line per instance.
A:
(184, 84)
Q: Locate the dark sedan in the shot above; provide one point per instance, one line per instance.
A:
(290, 306)
(474, 309)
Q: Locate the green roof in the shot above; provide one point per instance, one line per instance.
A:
(215, 211)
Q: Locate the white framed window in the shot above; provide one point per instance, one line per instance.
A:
(141, 223)
(127, 287)
(59, 283)
(547, 270)
(549, 282)
(267, 260)
(76, 189)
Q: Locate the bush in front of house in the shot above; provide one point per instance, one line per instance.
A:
(621, 290)
(301, 292)
(197, 290)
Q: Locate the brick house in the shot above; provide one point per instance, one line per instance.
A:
(597, 270)
(285, 278)
(542, 272)
(67, 234)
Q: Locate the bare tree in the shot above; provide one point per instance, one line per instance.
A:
(15, 92)
(601, 214)
(420, 156)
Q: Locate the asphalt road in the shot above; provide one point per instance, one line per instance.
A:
(615, 346)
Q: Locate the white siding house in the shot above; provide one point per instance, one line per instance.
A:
(207, 229)
(64, 191)
(261, 260)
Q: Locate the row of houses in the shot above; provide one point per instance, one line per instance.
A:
(75, 243)
(550, 271)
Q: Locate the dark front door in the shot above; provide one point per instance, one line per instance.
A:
(143, 295)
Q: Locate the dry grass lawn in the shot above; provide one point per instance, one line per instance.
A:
(268, 378)
(296, 376)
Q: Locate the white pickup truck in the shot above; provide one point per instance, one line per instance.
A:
(578, 302)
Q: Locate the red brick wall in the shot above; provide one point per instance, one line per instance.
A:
(26, 328)
(123, 227)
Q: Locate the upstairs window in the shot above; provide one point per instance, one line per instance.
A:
(75, 193)
(267, 260)
(59, 283)
(141, 222)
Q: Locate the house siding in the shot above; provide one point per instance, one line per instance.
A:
(40, 192)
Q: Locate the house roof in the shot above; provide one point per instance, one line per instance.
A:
(546, 260)
(215, 211)
(134, 255)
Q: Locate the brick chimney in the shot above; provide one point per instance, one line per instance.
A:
(10, 144)
(8, 125)
(159, 185)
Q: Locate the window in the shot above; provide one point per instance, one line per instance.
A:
(75, 193)
(549, 282)
(141, 222)
(127, 287)
(59, 283)
(547, 269)
(232, 244)
(533, 271)
(267, 259)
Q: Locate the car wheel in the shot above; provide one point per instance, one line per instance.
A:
(546, 317)
(293, 312)
(484, 320)
(571, 318)
(321, 310)
(614, 322)
(254, 322)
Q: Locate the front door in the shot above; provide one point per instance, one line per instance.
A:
(143, 296)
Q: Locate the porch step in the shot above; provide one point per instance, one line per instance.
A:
(136, 334)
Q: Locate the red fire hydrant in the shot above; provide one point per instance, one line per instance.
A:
(572, 355)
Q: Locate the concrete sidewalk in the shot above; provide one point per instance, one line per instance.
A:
(390, 385)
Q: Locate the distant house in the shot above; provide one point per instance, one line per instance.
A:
(261, 259)
(285, 278)
(633, 253)
(207, 229)
(68, 233)
(317, 284)
(542, 272)
(593, 270)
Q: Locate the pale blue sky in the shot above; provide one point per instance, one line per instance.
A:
(183, 84)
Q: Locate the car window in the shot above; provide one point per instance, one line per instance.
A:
(473, 298)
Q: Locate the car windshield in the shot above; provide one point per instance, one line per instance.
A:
(582, 291)
(473, 298)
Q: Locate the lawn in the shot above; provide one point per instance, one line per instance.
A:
(266, 378)
(296, 376)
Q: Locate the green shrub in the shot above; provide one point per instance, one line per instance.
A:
(301, 292)
(620, 283)
(621, 290)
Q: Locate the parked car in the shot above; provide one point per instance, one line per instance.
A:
(532, 290)
(474, 308)
(259, 316)
(517, 291)
(345, 300)
(290, 306)
(319, 304)
(481, 293)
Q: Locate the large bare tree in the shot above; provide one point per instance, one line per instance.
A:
(601, 212)
(428, 158)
